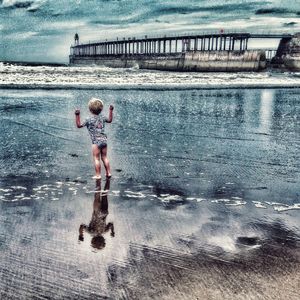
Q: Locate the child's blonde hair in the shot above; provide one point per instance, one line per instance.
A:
(95, 106)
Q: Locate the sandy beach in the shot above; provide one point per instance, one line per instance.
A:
(204, 199)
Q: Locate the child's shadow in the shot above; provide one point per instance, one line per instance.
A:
(98, 226)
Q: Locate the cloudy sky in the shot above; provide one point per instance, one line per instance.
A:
(42, 30)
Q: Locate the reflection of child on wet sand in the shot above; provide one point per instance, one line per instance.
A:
(98, 226)
(95, 125)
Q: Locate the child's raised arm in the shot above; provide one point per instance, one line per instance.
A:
(110, 116)
(77, 118)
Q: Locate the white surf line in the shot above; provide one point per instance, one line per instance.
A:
(197, 199)
(6, 190)
(281, 208)
(266, 84)
(229, 202)
(277, 206)
(102, 192)
(131, 194)
(259, 204)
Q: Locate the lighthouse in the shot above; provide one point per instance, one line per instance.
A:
(76, 38)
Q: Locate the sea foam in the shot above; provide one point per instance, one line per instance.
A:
(96, 77)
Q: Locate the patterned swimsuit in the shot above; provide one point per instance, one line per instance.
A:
(95, 126)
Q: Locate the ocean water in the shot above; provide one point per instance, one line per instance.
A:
(203, 202)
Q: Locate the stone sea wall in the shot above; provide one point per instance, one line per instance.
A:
(291, 59)
(199, 61)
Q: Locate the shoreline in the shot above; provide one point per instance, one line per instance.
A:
(34, 63)
(158, 87)
(103, 78)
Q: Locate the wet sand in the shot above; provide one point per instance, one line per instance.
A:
(203, 203)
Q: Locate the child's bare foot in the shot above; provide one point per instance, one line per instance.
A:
(108, 175)
(97, 177)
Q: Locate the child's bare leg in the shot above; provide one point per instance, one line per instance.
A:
(96, 157)
(105, 161)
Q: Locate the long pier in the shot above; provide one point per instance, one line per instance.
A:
(109, 52)
(169, 45)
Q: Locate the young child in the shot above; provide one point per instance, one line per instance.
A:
(95, 125)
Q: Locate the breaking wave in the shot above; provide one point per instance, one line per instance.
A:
(96, 77)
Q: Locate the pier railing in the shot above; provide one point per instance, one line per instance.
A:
(170, 45)
(163, 45)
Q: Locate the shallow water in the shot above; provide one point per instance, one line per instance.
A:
(204, 198)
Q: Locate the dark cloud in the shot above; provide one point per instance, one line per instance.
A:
(274, 10)
(164, 10)
(224, 8)
(18, 4)
(289, 24)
